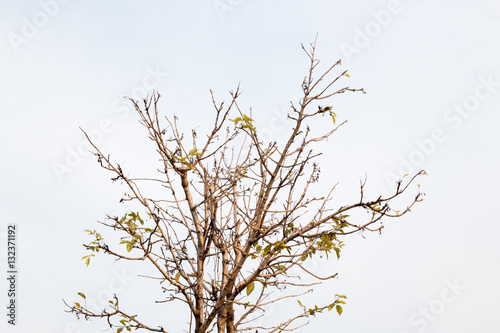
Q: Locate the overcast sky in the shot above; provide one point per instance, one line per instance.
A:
(431, 71)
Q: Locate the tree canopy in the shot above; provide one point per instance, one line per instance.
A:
(238, 219)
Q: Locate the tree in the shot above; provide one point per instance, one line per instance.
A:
(240, 218)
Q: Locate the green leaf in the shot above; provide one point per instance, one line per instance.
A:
(337, 252)
(250, 288)
(267, 249)
(129, 246)
(246, 118)
(244, 122)
(194, 152)
(330, 307)
(339, 309)
(281, 268)
(334, 116)
(82, 295)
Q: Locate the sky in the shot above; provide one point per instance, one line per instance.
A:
(432, 77)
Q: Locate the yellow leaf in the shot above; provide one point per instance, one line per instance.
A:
(177, 276)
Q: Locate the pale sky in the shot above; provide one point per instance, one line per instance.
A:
(431, 71)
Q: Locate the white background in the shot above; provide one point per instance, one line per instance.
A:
(68, 65)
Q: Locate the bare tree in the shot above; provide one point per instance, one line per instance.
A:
(239, 220)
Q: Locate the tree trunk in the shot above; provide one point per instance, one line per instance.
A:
(222, 320)
(225, 319)
(230, 318)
